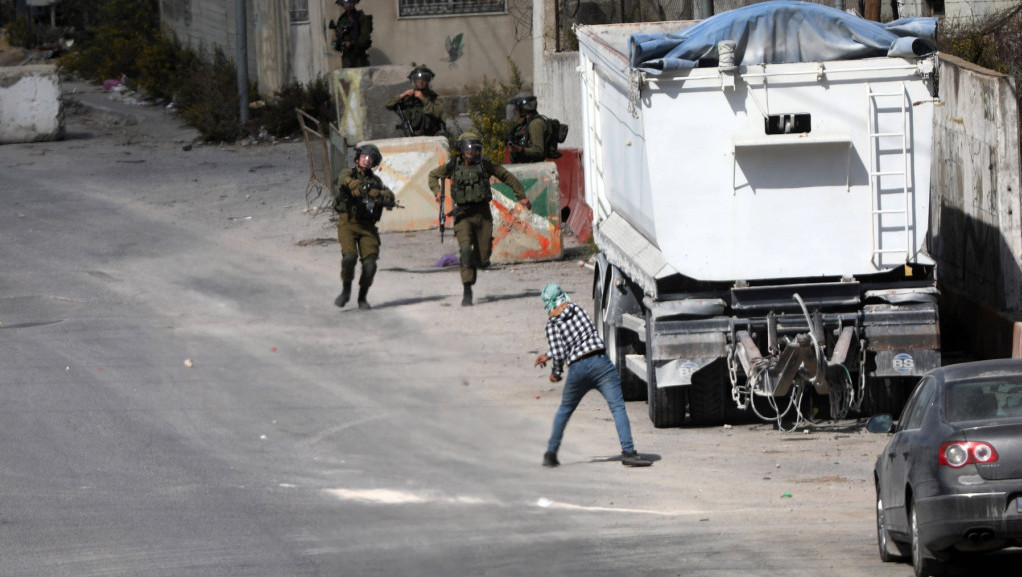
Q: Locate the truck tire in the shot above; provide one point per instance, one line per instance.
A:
(709, 395)
(620, 343)
(667, 405)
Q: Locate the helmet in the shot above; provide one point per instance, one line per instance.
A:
(343, 2)
(421, 71)
(469, 142)
(524, 101)
(372, 151)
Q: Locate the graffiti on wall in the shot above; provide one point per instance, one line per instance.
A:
(455, 47)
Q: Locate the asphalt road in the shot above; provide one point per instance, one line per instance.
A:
(179, 397)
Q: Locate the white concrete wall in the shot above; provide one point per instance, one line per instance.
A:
(975, 207)
(30, 105)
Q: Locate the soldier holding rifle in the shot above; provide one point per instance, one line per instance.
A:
(359, 199)
(421, 110)
(470, 176)
(352, 35)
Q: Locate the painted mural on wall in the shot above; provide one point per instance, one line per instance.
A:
(455, 47)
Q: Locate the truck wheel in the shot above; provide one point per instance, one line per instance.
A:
(709, 394)
(620, 343)
(666, 406)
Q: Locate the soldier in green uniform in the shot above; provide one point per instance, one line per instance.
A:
(353, 35)
(421, 107)
(526, 138)
(470, 175)
(359, 200)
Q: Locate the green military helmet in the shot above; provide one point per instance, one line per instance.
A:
(370, 150)
(524, 101)
(421, 71)
(471, 146)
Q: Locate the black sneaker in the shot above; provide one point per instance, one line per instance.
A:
(550, 459)
(634, 459)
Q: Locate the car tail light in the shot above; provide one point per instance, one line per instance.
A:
(960, 453)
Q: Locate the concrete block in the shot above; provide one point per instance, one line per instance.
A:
(30, 105)
(359, 94)
(404, 169)
(520, 235)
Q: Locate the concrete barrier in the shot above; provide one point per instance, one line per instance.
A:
(518, 235)
(405, 167)
(522, 235)
(359, 94)
(30, 104)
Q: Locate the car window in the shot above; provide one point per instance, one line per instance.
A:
(917, 406)
(983, 400)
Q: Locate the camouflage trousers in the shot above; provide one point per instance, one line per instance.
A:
(474, 230)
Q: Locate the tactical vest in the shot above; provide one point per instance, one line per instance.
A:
(422, 123)
(470, 184)
(361, 207)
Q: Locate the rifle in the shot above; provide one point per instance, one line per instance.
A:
(346, 31)
(405, 125)
(443, 215)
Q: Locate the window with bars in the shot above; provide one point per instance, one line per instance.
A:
(298, 10)
(421, 8)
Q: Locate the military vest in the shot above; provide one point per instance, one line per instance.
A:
(421, 123)
(470, 184)
(361, 207)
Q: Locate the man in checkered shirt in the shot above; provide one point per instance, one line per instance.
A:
(573, 340)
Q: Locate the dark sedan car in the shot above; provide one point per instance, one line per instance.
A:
(949, 481)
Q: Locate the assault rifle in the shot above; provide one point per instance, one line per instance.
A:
(345, 33)
(443, 215)
(405, 125)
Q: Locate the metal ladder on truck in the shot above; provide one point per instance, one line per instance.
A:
(886, 226)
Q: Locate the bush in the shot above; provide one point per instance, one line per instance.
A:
(994, 42)
(161, 65)
(208, 97)
(278, 117)
(115, 47)
(488, 112)
(22, 32)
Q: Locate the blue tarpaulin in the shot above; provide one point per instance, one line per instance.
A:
(782, 32)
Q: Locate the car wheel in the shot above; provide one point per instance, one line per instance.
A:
(885, 544)
(923, 564)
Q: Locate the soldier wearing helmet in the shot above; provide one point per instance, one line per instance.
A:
(470, 176)
(352, 35)
(359, 199)
(526, 138)
(419, 105)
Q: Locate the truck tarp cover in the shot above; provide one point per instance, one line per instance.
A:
(782, 32)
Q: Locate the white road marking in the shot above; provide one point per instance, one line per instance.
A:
(398, 497)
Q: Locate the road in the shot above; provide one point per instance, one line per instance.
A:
(179, 397)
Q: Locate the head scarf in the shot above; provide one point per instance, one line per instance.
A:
(553, 296)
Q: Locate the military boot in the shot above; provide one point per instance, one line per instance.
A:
(466, 299)
(362, 303)
(343, 298)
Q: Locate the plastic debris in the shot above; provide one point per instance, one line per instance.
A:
(449, 259)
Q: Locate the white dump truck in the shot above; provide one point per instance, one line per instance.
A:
(760, 191)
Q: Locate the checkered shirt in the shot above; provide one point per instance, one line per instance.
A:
(571, 335)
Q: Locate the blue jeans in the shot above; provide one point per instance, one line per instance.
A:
(583, 376)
